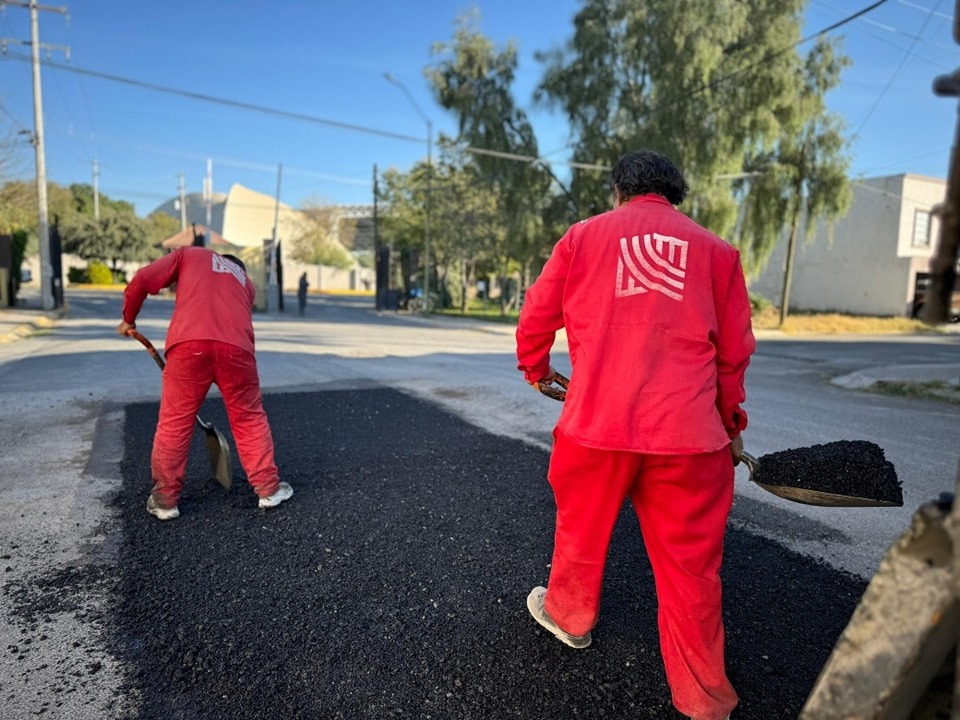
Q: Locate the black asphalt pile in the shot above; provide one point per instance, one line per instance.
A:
(393, 584)
(854, 468)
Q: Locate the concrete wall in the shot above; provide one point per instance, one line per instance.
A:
(869, 265)
(323, 278)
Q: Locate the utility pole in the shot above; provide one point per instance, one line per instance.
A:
(96, 191)
(208, 197)
(378, 279)
(183, 204)
(274, 287)
(43, 223)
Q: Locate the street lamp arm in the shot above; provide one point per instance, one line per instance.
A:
(403, 88)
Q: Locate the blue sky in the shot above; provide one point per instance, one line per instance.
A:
(327, 60)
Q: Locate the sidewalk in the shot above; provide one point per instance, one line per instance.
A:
(27, 317)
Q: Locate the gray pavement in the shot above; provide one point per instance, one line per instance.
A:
(29, 318)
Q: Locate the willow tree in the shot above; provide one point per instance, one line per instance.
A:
(703, 86)
(473, 79)
(803, 182)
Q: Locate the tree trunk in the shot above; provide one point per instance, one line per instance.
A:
(788, 269)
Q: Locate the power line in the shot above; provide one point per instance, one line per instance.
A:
(220, 101)
(896, 72)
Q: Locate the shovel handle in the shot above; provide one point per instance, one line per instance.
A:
(154, 353)
(557, 393)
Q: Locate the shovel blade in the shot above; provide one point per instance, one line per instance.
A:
(809, 496)
(219, 452)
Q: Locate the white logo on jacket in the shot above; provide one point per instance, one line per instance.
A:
(658, 263)
(222, 265)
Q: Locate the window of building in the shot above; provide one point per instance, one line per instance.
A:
(921, 228)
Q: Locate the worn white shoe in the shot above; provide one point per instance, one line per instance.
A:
(284, 492)
(159, 512)
(535, 604)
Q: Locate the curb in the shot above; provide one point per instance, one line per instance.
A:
(948, 373)
(28, 329)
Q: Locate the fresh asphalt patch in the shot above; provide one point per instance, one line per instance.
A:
(393, 584)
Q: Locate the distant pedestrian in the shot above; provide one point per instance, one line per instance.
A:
(210, 340)
(657, 320)
(302, 293)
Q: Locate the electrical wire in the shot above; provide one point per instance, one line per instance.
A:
(896, 72)
(239, 104)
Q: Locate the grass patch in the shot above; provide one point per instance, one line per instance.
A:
(929, 390)
(836, 323)
(766, 318)
(486, 310)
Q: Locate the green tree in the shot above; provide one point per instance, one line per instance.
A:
(83, 199)
(804, 180)
(468, 227)
(703, 86)
(18, 207)
(403, 215)
(473, 79)
(114, 238)
(159, 226)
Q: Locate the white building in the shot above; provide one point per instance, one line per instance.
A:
(877, 254)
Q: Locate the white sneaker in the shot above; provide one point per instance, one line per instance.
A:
(159, 512)
(535, 604)
(284, 492)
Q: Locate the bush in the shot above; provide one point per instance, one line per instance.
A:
(99, 274)
(95, 273)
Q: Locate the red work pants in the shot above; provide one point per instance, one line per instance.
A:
(191, 368)
(682, 503)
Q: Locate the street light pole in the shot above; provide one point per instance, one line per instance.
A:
(426, 221)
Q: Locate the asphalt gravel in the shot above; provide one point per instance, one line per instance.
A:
(393, 584)
(854, 468)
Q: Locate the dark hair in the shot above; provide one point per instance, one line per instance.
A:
(644, 172)
(235, 260)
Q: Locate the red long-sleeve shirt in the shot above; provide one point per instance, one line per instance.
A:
(658, 326)
(214, 297)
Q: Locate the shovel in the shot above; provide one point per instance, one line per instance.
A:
(809, 496)
(557, 389)
(217, 448)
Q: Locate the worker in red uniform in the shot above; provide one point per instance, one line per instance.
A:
(658, 327)
(210, 340)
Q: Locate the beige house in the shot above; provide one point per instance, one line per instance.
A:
(878, 252)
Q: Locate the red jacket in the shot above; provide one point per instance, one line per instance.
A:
(214, 297)
(658, 326)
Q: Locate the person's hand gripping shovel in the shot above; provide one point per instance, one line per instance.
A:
(217, 447)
